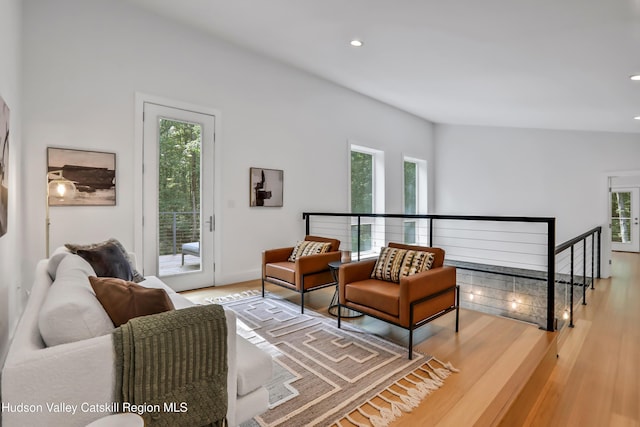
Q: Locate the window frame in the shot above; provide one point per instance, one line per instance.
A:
(377, 200)
(421, 202)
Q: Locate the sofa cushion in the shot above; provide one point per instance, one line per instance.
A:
(124, 300)
(378, 294)
(178, 300)
(307, 247)
(254, 366)
(55, 259)
(389, 265)
(285, 271)
(155, 283)
(136, 276)
(71, 311)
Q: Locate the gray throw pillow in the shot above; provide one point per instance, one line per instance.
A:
(136, 277)
(107, 261)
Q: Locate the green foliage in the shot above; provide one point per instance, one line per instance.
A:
(361, 182)
(365, 237)
(410, 189)
(621, 217)
(179, 183)
(361, 196)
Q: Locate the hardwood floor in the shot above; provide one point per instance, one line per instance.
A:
(509, 371)
(596, 381)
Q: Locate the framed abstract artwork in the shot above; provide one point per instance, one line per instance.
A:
(80, 177)
(266, 187)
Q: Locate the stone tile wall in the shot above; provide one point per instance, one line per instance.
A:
(498, 291)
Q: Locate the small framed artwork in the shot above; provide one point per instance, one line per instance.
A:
(266, 187)
(81, 178)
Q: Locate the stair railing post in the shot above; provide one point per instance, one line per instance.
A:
(571, 293)
(551, 274)
(584, 271)
(593, 259)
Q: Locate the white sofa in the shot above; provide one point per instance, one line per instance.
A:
(36, 376)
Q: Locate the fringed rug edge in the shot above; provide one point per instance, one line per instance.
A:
(424, 380)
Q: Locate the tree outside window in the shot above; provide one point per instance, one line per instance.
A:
(179, 184)
(362, 190)
(621, 217)
(410, 199)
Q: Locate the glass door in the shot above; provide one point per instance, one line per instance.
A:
(178, 196)
(624, 219)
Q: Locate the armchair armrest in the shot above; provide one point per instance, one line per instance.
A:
(426, 283)
(356, 271)
(353, 272)
(276, 255)
(316, 263)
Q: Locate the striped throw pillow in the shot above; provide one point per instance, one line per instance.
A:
(307, 247)
(389, 265)
(416, 262)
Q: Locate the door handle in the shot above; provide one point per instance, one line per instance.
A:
(211, 223)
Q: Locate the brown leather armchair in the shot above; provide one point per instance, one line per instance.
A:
(306, 274)
(416, 300)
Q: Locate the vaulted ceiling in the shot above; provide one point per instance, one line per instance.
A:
(521, 63)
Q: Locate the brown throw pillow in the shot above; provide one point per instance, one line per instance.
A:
(124, 300)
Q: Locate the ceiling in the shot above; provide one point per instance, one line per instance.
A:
(518, 63)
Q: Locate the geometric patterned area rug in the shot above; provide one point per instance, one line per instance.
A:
(325, 376)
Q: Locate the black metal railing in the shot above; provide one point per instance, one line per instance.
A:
(517, 247)
(177, 228)
(573, 264)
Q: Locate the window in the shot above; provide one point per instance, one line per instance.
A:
(410, 200)
(415, 200)
(367, 196)
(361, 182)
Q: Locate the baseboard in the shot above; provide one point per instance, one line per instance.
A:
(245, 276)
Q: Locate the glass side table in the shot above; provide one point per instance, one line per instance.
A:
(334, 267)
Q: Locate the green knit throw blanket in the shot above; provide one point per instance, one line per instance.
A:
(171, 367)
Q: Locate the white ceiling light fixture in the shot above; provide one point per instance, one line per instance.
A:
(637, 118)
(635, 77)
(356, 43)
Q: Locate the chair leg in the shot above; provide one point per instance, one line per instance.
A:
(263, 287)
(410, 342)
(302, 302)
(410, 331)
(339, 310)
(457, 307)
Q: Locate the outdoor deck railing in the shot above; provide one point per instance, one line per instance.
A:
(176, 228)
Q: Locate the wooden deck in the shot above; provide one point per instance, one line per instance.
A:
(172, 264)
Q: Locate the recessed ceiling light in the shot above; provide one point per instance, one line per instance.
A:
(635, 77)
(637, 117)
(356, 43)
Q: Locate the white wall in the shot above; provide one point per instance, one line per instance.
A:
(84, 61)
(626, 181)
(507, 171)
(11, 242)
